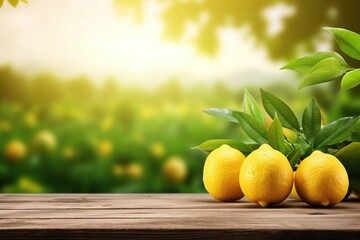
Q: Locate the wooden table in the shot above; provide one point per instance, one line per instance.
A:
(170, 216)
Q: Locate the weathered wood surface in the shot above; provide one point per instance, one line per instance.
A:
(170, 216)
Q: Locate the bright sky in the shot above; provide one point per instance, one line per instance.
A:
(71, 38)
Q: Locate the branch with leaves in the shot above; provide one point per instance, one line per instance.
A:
(310, 134)
(327, 66)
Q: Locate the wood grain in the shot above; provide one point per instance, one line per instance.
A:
(170, 216)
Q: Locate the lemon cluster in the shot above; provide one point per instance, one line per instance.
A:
(265, 177)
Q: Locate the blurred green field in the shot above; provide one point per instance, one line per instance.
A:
(61, 135)
(72, 136)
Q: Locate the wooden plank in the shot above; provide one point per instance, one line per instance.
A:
(9, 201)
(147, 201)
(175, 213)
(171, 216)
(188, 222)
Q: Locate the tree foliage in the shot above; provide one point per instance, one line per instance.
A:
(298, 29)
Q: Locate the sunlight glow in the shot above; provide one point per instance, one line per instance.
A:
(71, 38)
(275, 15)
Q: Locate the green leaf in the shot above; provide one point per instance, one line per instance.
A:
(355, 136)
(350, 80)
(324, 71)
(13, 3)
(349, 157)
(335, 132)
(348, 41)
(222, 113)
(311, 120)
(25, 1)
(276, 135)
(251, 127)
(294, 157)
(251, 107)
(286, 116)
(303, 65)
(303, 146)
(211, 145)
(355, 132)
(1, 3)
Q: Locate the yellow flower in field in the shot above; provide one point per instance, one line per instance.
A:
(68, 153)
(106, 123)
(105, 148)
(5, 126)
(118, 170)
(174, 169)
(44, 141)
(30, 119)
(15, 150)
(29, 186)
(134, 171)
(157, 149)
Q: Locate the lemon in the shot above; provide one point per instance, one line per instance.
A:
(157, 150)
(174, 170)
(293, 191)
(221, 173)
(45, 141)
(134, 171)
(266, 176)
(105, 148)
(15, 150)
(321, 180)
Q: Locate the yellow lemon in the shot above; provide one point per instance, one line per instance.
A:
(157, 149)
(105, 148)
(221, 173)
(134, 171)
(174, 170)
(45, 141)
(27, 185)
(266, 176)
(15, 150)
(321, 180)
(293, 191)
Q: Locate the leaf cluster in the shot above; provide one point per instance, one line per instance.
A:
(311, 134)
(327, 66)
